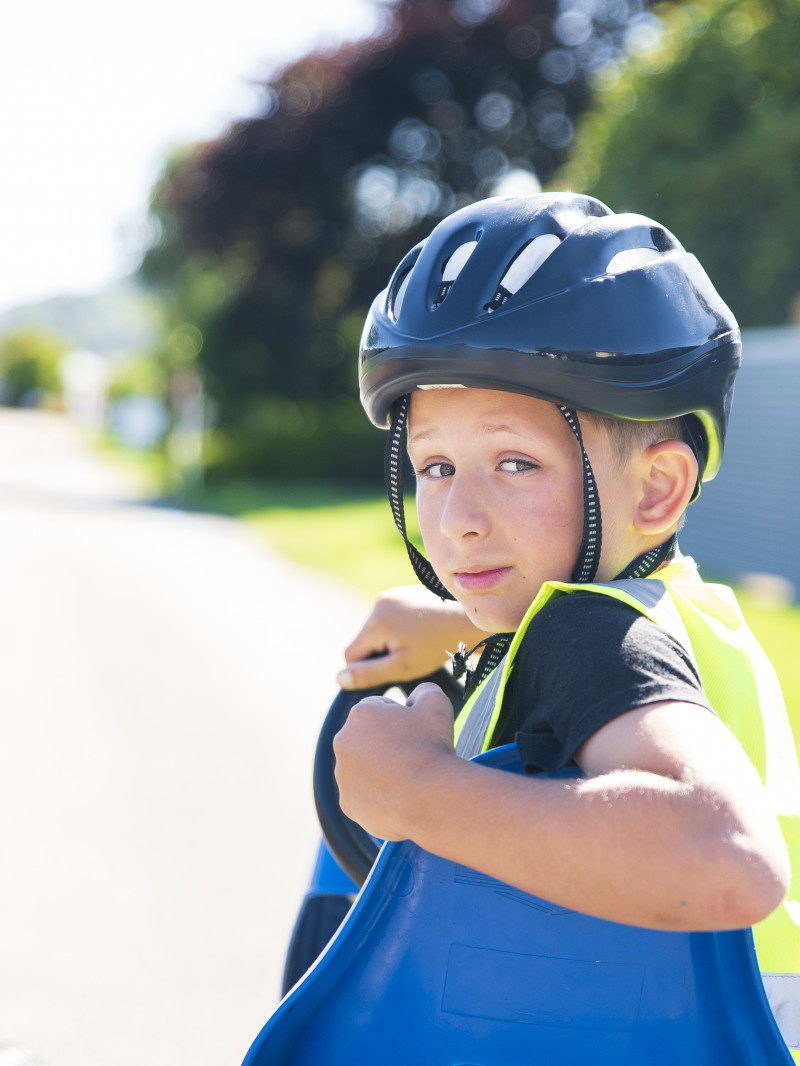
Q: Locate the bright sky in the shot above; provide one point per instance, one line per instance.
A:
(92, 95)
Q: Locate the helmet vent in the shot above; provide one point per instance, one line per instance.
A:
(663, 239)
(452, 268)
(398, 294)
(523, 266)
(631, 259)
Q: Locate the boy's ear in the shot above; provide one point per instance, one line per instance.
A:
(669, 475)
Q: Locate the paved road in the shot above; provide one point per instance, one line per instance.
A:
(163, 679)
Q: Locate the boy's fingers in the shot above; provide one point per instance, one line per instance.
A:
(369, 673)
(423, 689)
(436, 701)
(366, 644)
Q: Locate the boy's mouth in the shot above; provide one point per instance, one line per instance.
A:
(478, 580)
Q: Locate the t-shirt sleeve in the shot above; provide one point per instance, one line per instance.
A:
(585, 659)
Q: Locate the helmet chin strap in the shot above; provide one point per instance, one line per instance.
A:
(588, 559)
(592, 540)
(393, 460)
(650, 561)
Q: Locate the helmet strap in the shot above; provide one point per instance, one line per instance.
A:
(394, 457)
(492, 649)
(393, 460)
(589, 552)
(650, 561)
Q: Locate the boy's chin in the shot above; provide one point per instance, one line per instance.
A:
(491, 621)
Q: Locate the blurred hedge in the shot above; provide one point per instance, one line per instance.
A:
(701, 130)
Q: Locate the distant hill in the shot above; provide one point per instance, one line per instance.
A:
(119, 320)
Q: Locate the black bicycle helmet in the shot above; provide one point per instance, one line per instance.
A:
(558, 297)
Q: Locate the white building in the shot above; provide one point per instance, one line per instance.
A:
(747, 520)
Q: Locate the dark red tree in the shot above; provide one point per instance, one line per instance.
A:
(297, 217)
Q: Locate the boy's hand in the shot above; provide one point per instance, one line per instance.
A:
(407, 634)
(669, 829)
(388, 755)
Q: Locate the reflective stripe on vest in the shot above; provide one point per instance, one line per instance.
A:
(742, 687)
(472, 727)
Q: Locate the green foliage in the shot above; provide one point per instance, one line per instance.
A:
(282, 438)
(29, 364)
(275, 239)
(701, 130)
(137, 375)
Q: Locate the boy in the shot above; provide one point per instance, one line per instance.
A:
(563, 377)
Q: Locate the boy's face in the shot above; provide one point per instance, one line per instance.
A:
(499, 497)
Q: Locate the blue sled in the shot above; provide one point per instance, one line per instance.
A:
(325, 906)
(440, 965)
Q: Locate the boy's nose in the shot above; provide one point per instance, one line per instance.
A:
(464, 514)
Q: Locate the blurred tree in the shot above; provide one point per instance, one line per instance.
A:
(274, 239)
(30, 357)
(701, 130)
(137, 375)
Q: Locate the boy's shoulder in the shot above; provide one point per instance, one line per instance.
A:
(591, 634)
(582, 608)
(562, 607)
(585, 659)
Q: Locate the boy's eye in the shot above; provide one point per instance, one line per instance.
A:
(517, 466)
(438, 470)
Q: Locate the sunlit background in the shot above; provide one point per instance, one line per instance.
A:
(91, 101)
(197, 208)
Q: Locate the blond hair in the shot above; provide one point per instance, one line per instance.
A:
(627, 435)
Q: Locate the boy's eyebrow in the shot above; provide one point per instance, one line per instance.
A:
(486, 430)
(498, 427)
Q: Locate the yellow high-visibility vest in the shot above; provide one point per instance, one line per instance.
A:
(743, 689)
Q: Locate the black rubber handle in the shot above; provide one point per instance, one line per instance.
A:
(352, 847)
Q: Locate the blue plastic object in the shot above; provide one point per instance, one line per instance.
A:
(328, 876)
(326, 903)
(441, 965)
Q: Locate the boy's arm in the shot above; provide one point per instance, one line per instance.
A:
(407, 635)
(670, 828)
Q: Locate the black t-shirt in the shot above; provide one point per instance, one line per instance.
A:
(585, 659)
